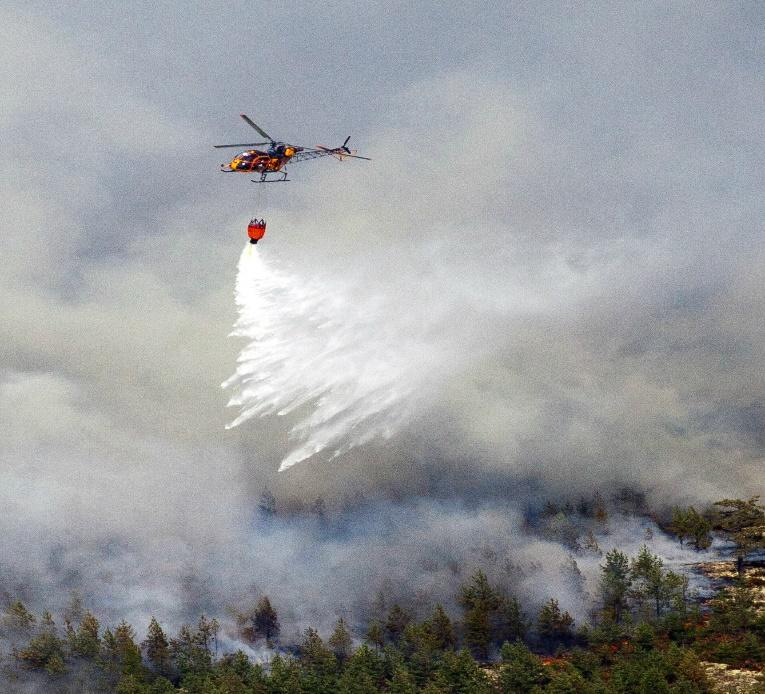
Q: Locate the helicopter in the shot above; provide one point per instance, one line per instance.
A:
(278, 154)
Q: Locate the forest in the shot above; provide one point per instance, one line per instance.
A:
(648, 632)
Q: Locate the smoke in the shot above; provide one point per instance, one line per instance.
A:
(547, 283)
(344, 365)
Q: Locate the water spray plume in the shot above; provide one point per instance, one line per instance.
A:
(312, 348)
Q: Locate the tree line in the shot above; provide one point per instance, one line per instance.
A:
(646, 634)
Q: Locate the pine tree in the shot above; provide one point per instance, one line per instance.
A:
(362, 673)
(86, 642)
(734, 610)
(689, 524)
(568, 681)
(699, 528)
(367, 663)
(401, 682)
(521, 671)
(188, 652)
(340, 642)
(441, 627)
(318, 664)
(284, 676)
(265, 620)
(615, 582)
(420, 650)
(250, 677)
(510, 624)
(127, 652)
(207, 634)
(396, 622)
(679, 524)
(743, 524)
(157, 647)
(479, 602)
(17, 620)
(352, 682)
(459, 673)
(45, 651)
(554, 626)
(647, 574)
(375, 635)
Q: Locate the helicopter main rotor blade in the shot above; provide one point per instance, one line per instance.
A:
(257, 127)
(244, 144)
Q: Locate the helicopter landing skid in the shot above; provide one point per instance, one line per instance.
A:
(263, 178)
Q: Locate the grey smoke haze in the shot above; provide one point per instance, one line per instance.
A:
(569, 201)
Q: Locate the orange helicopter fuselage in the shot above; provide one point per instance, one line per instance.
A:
(255, 160)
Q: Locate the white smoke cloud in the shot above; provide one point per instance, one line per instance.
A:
(570, 221)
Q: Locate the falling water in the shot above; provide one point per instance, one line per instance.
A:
(351, 362)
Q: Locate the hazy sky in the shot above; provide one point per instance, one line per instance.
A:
(564, 205)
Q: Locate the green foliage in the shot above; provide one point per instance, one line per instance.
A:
(285, 676)
(396, 622)
(652, 585)
(130, 684)
(510, 623)
(644, 636)
(318, 664)
(656, 652)
(366, 663)
(45, 651)
(441, 628)
(689, 524)
(265, 621)
(566, 679)
(402, 682)
(615, 582)
(521, 670)
(421, 651)
(586, 663)
(735, 633)
(86, 641)
(375, 634)
(458, 673)
(351, 682)
(17, 620)
(655, 672)
(189, 653)
(157, 648)
(235, 668)
(480, 601)
(478, 631)
(340, 642)
(554, 626)
(733, 610)
(207, 633)
(743, 524)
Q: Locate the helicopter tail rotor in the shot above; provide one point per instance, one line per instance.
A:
(341, 151)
